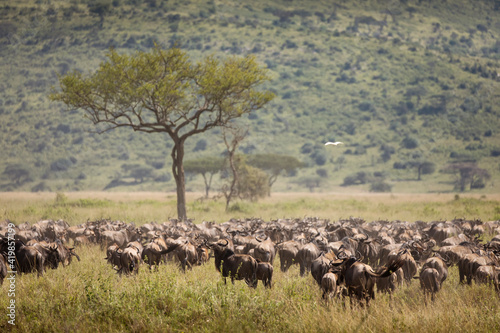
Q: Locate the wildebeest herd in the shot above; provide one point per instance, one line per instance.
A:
(348, 257)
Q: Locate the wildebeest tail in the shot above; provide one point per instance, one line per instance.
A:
(393, 266)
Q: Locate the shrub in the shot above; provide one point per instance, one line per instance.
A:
(61, 164)
(380, 187)
(410, 143)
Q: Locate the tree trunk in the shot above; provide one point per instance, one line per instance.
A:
(180, 182)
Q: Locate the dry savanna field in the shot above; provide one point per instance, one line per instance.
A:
(88, 295)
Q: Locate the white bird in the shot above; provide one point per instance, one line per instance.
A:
(334, 143)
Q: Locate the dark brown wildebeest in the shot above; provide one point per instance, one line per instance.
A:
(287, 252)
(329, 285)
(429, 281)
(203, 254)
(187, 255)
(152, 253)
(129, 261)
(113, 253)
(29, 259)
(390, 283)
(321, 265)
(265, 273)
(468, 265)
(3, 268)
(235, 266)
(305, 256)
(409, 267)
(359, 278)
(265, 250)
(50, 254)
(488, 274)
(439, 265)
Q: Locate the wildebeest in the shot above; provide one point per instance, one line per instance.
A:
(409, 267)
(235, 266)
(468, 265)
(429, 281)
(129, 261)
(389, 283)
(321, 265)
(287, 252)
(29, 259)
(488, 274)
(187, 254)
(265, 273)
(50, 254)
(3, 268)
(305, 256)
(121, 237)
(329, 285)
(152, 253)
(439, 265)
(113, 253)
(359, 278)
(265, 250)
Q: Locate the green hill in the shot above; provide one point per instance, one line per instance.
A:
(402, 83)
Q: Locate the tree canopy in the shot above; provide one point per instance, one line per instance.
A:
(162, 91)
(207, 167)
(274, 164)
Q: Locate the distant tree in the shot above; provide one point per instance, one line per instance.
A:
(339, 162)
(253, 183)
(17, 173)
(274, 165)
(163, 92)
(467, 173)
(141, 173)
(100, 8)
(232, 138)
(409, 142)
(311, 182)
(323, 173)
(423, 167)
(380, 186)
(418, 91)
(207, 167)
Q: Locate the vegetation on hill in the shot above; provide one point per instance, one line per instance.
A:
(411, 88)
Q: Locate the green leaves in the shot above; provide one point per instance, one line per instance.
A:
(162, 91)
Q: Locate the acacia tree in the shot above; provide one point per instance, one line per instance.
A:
(163, 92)
(467, 173)
(207, 167)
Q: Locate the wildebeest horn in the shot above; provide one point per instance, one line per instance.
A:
(227, 242)
(342, 255)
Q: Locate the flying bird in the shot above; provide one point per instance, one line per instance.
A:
(334, 143)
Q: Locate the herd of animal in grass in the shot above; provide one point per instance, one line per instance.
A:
(338, 254)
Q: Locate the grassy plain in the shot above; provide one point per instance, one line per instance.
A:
(144, 207)
(88, 296)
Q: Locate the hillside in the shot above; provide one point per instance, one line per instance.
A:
(401, 83)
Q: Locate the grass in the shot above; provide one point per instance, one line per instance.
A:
(88, 296)
(144, 207)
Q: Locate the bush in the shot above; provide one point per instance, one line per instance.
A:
(61, 164)
(380, 187)
(323, 173)
(357, 179)
(410, 143)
